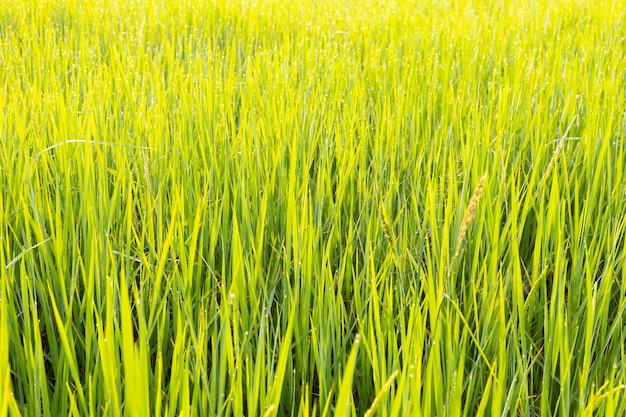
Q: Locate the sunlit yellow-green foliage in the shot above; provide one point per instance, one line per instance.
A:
(273, 208)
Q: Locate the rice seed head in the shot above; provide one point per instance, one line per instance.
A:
(381, 394)
(468, 217)
(556, 153)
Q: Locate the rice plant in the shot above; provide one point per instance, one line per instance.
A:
(313, 208)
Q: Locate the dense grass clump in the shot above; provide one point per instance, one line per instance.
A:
(272, 208)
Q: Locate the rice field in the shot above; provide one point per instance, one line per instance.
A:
(313, 208)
